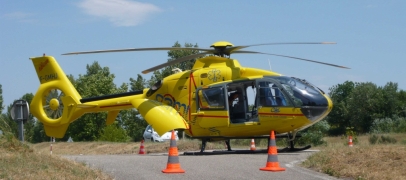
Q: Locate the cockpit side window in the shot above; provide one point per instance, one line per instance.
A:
(212, 98)
(271, 95)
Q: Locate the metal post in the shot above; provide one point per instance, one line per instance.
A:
(20, 121)
(21, 130)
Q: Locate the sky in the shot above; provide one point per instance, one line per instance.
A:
(370, 37)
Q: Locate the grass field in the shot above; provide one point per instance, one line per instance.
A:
(19, 161)
(382, 160)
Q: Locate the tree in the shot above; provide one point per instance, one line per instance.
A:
(138, 84)
(339, 117)
(392, 104)
(361, 105)
(401, 96)
(1, 100)
(114, 133)
(10, 123)
(364, 104)
(132, 121)
(176, 54)
(96, 82)
(173, 55)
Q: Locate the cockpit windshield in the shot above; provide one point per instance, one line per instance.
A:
(301, 92)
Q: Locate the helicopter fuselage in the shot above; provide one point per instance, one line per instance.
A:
(266, 100)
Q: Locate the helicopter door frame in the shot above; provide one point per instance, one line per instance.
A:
(211, 110)
(243, 110)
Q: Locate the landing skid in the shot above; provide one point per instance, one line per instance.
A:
(259, 151)
(290, 149)
(262, 151)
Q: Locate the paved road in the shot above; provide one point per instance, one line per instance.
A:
(231, 166)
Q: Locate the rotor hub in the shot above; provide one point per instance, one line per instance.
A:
(54, 104)
(221, 44)
(221, 48)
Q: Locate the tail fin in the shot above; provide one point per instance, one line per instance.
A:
(56, 99)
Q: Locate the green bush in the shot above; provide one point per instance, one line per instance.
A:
(313, 138)
(113, 133)
(314, 134)
(401, 128)
(387, 140)
(373, 139)
(388, 125)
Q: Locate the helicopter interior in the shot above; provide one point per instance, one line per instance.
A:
(243, 98)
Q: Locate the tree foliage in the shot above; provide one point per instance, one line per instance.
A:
(173, 55)
(96, 82)
(339, 117)
(131, 120)
(358, 105)
(114, 133)
(1, 100)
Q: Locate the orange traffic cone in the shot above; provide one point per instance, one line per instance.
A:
(350, 141)
(142, 150)
(173, 165)
(252, 148)
(272, 163)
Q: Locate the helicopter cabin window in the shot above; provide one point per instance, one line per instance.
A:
(271, 95)
(212, 98)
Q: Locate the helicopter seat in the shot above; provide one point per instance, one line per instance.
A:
(237, 113)
(270, 101)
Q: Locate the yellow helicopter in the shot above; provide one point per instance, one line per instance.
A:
(218, 99)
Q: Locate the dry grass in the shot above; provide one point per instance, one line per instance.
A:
(18, 161)
(93, 148)
(363, 160)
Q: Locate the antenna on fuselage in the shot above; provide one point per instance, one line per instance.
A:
(269, 62)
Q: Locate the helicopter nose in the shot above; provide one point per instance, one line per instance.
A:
(316, 113)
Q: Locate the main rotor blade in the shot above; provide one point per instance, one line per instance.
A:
(235, 48)
(174, 62)
(254, 52)
(137, 49)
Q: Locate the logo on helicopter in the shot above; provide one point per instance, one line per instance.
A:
(170, 100)
(42, 65)
(214, 75)
(275, 109)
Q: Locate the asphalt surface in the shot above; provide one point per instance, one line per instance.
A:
(230, 166)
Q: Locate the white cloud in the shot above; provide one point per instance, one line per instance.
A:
(120, 12)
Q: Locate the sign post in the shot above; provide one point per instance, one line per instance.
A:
(19, 112)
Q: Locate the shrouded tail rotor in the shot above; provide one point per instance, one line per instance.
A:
(52, 103)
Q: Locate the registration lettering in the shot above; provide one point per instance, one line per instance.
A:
(48, 77)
